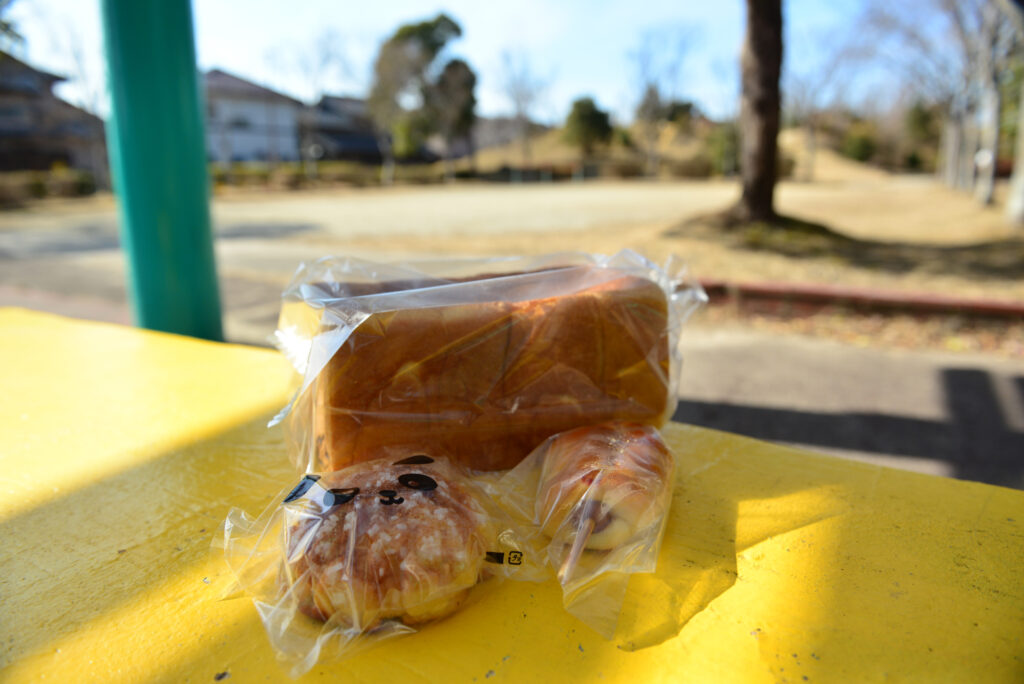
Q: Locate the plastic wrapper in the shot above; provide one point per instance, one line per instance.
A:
(599, 499)
(482, 359)
(369, 552)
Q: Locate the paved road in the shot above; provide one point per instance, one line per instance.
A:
(961, 415)
(957, 415)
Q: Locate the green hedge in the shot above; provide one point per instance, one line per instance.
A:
(18, 187)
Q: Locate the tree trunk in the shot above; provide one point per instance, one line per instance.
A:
(524, 137)
(952, 134)
(968, 148)
(449, 162)
(650, 133)
(1015, 200)
(306, 128)
(985, 184)
(760, 63)
(387, 165)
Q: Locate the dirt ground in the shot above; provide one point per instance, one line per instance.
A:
(945, 242)
(902, 233)
(936, 395)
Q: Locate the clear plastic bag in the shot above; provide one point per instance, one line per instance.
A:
(600, 497)
(369, 552)
(482, 359)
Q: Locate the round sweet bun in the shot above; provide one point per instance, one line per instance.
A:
(610, 474)
(384, 540)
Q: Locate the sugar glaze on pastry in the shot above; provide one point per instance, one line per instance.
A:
(380, 541)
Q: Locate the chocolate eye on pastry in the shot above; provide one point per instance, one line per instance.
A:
(418, 459)
(338, 496)
(417, 481)
(301, 488)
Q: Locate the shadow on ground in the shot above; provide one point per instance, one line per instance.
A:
(104, 236)
(976, 439)
(262, 230)
(799, 239)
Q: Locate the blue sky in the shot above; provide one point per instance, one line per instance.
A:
(578, 47)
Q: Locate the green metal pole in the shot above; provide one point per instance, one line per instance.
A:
(158, 157)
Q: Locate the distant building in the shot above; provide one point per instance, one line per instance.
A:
(495, 132)
(499, 131)
(38, 129)
(340, 128)
(247, 122)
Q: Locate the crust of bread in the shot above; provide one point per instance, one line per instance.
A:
(485, 383)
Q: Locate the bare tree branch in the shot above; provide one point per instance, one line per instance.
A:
(524, 88)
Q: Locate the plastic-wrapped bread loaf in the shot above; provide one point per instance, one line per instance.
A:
(485, 382)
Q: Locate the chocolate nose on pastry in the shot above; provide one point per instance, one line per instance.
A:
(389, 498)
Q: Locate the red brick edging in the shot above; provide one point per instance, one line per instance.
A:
(807, 299)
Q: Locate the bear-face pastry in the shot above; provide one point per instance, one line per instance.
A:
(384, 540)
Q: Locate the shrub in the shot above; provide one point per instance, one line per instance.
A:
(69, 183)
(860, 142)
(17, 187)
(626, 168)
(785, 166)
(697, 166)
(724, 149)
(250, 173)
(419, 174)
(289, 177)
(622, 137)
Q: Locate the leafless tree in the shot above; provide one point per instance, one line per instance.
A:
(318, 62)
(451, 103)
(10, 39)
(964, 80)
(393, 70)
(524, 88)
(88, 86)
(90, 89)
(810, 92)
(658, 61)
(996, 43)
(1014, 13)
(921, 52)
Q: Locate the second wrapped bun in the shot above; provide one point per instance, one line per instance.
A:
(605, 482)
(382, 540)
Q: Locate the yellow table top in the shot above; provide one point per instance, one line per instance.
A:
(121, 452)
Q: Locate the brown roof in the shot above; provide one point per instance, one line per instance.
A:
(222, 83)
(17, 76)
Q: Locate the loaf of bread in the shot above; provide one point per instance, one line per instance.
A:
(486, 382)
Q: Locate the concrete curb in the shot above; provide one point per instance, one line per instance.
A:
(798, 299)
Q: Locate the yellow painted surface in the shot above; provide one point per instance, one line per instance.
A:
(121, 452)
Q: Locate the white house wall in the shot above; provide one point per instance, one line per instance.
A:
(248, 130)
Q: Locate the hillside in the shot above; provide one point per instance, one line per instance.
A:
(550, 149)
